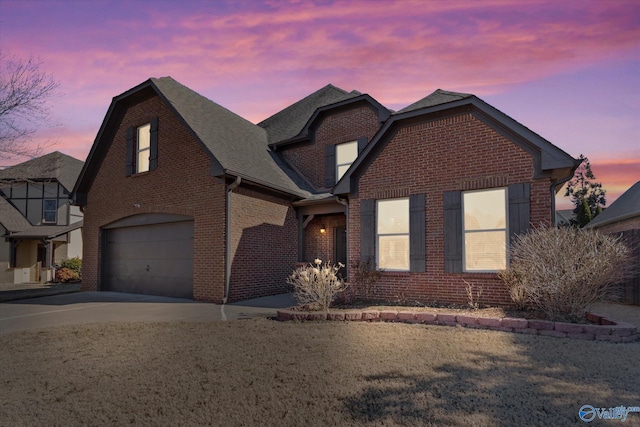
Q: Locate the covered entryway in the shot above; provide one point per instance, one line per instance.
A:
(149, 254)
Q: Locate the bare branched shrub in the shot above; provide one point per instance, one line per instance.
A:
(516, 288)
(316, 285)
(364, 275)
(473, 294)
(564, 270)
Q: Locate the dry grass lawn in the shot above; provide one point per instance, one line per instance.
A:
(260, 372)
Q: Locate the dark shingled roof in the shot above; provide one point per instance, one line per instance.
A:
(288, 123)
(65, 169)
(436, 98)
(11, 218)
(625, 207)
(239, 146)
(46, 231)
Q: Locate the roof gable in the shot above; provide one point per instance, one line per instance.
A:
(234, 145)
(53, 166)
(291, 122)
(625, 207)
(548, 159)
(436, 98)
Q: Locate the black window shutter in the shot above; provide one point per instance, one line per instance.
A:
(362, 143)
(519, 212)
(453, 232)
(153, 152)
(367, 230)
(329, 166)
(417, 240)
(130, 152)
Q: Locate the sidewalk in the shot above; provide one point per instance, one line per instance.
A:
(11, 292)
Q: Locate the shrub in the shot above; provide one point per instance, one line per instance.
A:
(364, 275)
(74, 264)
(65, 274)
(315, 286)
(564, 270)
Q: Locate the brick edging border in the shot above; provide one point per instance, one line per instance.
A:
(603, 328)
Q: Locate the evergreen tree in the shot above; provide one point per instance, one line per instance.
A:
(587, 196)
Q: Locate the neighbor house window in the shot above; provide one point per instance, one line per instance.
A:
(49, 210)
(485, 230)
(392, 234)
(345, 155)
(143, 148)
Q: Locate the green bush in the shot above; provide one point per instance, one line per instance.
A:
(565, 270)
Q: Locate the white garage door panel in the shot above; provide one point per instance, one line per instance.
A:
(154, 259)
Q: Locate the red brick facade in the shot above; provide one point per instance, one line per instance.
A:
(457, 153)
(322, 245)
(430, 157)
(181, 184)
(264, 244)
(343, 126)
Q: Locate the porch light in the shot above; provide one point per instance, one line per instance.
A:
(323, 229)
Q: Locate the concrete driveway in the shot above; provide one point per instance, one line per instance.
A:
(103, 307)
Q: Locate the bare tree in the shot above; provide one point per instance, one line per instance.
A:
(24, 109)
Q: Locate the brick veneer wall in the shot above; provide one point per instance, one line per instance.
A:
(181, 184)
(342, 126)
(319, 245)
(455, 153)
(264, 244)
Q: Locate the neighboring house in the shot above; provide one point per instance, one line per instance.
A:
(623, 218)
(39, 226)
(564, 217)
(185, 198)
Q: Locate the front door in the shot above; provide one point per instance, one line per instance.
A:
(341, 249)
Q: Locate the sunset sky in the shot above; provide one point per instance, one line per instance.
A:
(568, 70)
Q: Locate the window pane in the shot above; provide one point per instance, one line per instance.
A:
(144, 137)
(50, 205)
(393, 216)
(485, 210)
(342, 170)
(49, 216)
(393, 252)
(485, 251)
(346, 153)
(143, 161)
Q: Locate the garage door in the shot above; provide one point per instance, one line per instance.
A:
(154, 259)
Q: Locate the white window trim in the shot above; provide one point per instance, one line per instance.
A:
(506, 230)
(55, 220)
(408, 234)
(348, 164)
(141, 151)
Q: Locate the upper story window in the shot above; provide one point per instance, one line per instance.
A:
(50, 211)
(485, 230)
(143, 148)
(346, 153)
(392, 234)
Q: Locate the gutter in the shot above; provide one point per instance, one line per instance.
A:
(345, 203)
(227, 276)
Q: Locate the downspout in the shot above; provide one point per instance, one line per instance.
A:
(227, 221)
(346, 206)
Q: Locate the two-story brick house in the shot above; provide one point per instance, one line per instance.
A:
(182, 197)
(39, 226)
